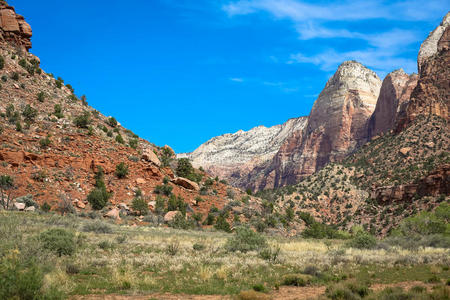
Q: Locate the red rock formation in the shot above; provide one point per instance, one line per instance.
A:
(394, 95)
(13, 28)
(432, 93)
(336, 126)
(435, 184)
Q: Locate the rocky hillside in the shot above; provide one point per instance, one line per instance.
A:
(399, 172)
(234, 156)
(56, 148)
(432, 93)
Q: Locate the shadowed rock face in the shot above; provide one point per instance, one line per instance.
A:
(432, 93)
(13, 28)
(394, 96)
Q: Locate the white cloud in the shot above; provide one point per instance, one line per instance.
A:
(341, 11)
(237, 79)
(381, 61)
(383, 51)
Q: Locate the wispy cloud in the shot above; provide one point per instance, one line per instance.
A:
(235, 79)
(383, 50)
(342, 11)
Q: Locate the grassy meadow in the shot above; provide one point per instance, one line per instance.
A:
(47, 256)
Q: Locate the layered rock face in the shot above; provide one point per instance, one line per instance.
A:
(432, 93)
(233, 156)
(336, 126)
(394, 96)
(13, 28)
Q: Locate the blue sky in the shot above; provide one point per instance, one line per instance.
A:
(181, 72)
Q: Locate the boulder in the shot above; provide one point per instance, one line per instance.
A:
(80, 204)
(113, 214)
(150, 156)
(187, 184)
(140, 181)
(19, 206)
(124, 206)
(31, 209)
(404, 151)
(170, 216)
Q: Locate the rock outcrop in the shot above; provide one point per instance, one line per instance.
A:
(432, 93)
(13, 28)
(394, 96)
(336, 126)
(430, 46)
(234, 156)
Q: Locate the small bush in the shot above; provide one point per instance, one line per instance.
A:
(253, 295)
(20, 279)
(29, 114)
(15, 76)
(106, 245)
(122, 170)
(222, 224)
(120, 139)
(41, 96)
(44, 143)
(98, 198)
(2, 62)
(97, 227)
(59, 241)
(270, 254)
(173, 248)
(83, 120)
(112, 122)
(46, 207)
(363, 240)
(199, 247)
(140, 205)
(295, 280)
(245, 239)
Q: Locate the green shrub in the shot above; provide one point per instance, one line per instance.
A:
(15, 76)
(2, 62)
(58, 111)
(245, 239)
(59, 241)
(83, 120)
(29, 114)
(120, 139)
(20, 279)
(41, 96)
(133, 143)
(122, 170)
(363, 240)
(270, 254)
(97, 227)
(184, 167)
(106, 245)
(46, 207)
(112, 122)
(199, 247)
(140, 205)
(44, 143)
(98, 198)
(295, 280)
(222, 224)
(163, 189)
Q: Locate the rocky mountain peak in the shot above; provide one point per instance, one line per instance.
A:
(430, 46)
(13, 27)
(394, 96)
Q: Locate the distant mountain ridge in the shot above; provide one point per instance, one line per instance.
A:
(354, 107)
